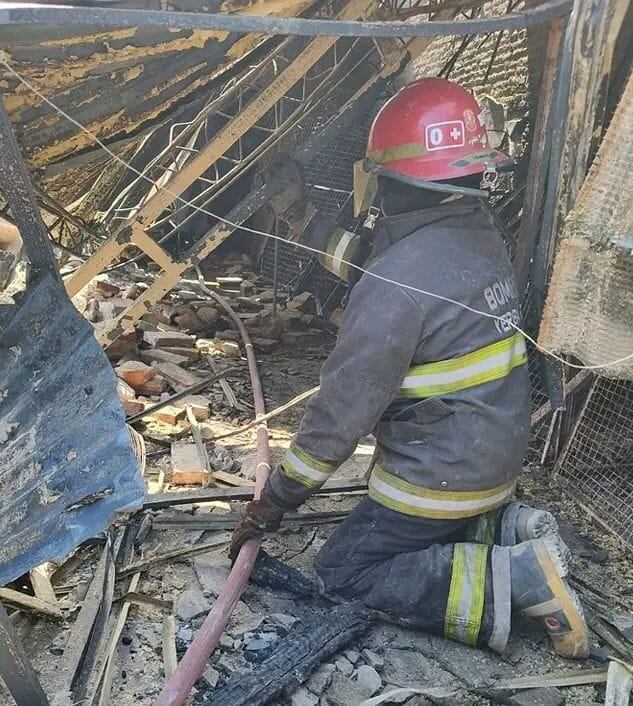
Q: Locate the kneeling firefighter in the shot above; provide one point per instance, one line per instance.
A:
(443, 389)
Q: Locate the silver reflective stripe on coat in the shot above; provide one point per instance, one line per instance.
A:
(341, 249)
(398, 494)
(305, 468)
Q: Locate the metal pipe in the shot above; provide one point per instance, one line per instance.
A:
(27, 13)
(191, 666)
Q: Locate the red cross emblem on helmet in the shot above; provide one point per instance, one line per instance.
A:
(431, 130)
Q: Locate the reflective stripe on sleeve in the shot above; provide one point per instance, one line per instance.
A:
(400, 495)
(484, 365)
(465, 605)
(305, 468)
(341, 246)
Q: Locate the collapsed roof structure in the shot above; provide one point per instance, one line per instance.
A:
(143, 129)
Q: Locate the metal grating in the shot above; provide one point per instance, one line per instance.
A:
(596, 467)
(329, 184)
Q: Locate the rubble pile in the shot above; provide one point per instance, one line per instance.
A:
(158, 573)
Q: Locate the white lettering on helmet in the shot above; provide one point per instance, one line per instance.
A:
(450, 133)
(436, 136)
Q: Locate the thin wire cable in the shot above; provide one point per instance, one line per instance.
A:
(308, 248)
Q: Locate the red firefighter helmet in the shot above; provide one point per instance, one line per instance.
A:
(432, 129)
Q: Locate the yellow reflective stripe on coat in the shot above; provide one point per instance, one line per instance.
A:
(465, 605)
(341, 246)
(305, 468)
(484, 365)
(398, 494)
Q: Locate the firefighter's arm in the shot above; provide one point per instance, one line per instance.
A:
(378, 337)
(336, 246)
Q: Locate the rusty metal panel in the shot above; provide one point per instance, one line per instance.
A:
(66, 461)
(588, 312)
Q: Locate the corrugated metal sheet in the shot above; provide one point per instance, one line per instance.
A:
(67, 464)
(588, 312)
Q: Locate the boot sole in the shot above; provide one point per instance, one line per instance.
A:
(553, 569)
(545, 527)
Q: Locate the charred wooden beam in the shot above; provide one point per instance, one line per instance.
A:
(15, 667)
(160, 500)
(310, 643)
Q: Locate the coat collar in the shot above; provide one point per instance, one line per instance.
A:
(391, 229)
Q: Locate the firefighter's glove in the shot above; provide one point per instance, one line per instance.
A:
(289, 202)
(260, 516)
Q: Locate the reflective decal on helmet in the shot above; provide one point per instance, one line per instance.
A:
(470, 120)
(440, 136)
(476, 157)
(391, 154)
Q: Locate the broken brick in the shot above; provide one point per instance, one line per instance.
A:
(168, 414)
(229, 348)
(298, 338)
(153, 387)
(92, 311)
(158, 355)
(264, 345)
(125, 343)
(176, 375)
(186, 464)
(189, 353)
(246, 304)
(189, 320)
(228, 335)
(132, 406)
(133, 291)
(207, 314)
(105, 289)
(199, 406)
(114, 306)
(167, 339)
(135, 373)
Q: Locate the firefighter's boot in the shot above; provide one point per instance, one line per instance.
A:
(516, 523)
(537, 568)
(521, 523)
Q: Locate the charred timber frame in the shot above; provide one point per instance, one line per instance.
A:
(135, 233)
(24, 13)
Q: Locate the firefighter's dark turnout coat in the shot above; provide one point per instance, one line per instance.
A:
(445, 392)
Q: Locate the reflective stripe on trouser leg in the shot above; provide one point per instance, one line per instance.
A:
(501, 597)
(483, 528)
(305, 468)
(465, 605)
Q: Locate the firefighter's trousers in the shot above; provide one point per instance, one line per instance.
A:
(433, 573)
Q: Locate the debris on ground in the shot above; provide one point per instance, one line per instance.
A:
(110, 619)
(186, 566)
